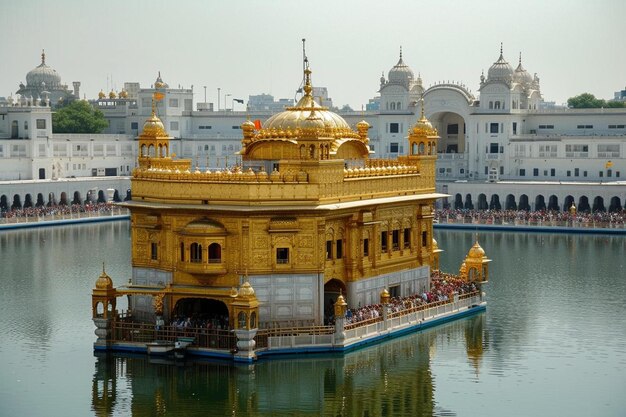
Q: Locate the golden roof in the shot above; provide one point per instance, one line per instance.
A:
(112, 94)
(153, 127)
(104, 281)
(101, 94)
(306, 118)
(476, 252)
(423, 126)
(246, 290)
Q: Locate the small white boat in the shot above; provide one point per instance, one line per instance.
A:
(160, 347)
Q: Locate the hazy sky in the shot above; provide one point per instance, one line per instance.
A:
(254, 47)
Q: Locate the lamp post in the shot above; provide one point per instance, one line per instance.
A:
(218, 98)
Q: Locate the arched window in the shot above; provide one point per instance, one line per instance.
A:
(215, 253)
(491, 104)
(422, 148)
(393, 106)
(182, 251)
(241, 320)
(398, 106)
(414, 149)
(195, 252)
(252, 320)
(497, 105)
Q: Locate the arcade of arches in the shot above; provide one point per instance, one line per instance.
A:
(583, 203)
(18, 202)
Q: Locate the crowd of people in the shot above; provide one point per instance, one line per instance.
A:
(56, 210)
(599, 218)
(443, 286)
(197, 321)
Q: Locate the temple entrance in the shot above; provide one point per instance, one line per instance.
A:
(332, 290)
(201, 312)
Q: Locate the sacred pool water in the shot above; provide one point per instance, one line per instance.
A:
(552, 342)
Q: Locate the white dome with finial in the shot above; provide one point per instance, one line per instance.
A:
(501, 70)
(521, 75)
(401, 73)
(43, 74)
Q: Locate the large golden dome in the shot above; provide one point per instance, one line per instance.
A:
(307, 115)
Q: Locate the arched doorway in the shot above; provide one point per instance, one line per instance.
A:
(77, 198)
(28, 201)
(598, 204)
(468, 202)
(202, 312)
(510, 203)
(458, 201)
(569, 200)
(116, 197)
(494, 204)
(553, 203)
(540, 203)
(523, 202)
(101, 197)
(4, 204)
(63, 200)
(482, 202)
(616, 205)
(583, 204)
(17, 202)
(332, 290)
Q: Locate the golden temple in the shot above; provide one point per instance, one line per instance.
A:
(306, 219)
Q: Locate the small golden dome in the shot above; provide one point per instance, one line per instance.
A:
(476, 252)
(463, 269)
(246, 290)
(423, 125)
(384, 296)
(247, 125)
(153, 127)
(112, 94)
(123, 94)
(104, 281)
(101, 95)
(341, 301)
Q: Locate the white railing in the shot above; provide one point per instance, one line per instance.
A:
(401, 320)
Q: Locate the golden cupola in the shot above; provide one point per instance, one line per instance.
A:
(304, 131)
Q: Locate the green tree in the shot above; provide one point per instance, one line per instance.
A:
(585, 101)
(78, 117)
(589, 101)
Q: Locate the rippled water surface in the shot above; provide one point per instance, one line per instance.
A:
(552, 342)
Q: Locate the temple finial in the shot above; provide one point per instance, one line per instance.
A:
(520, 57)
(400, 51)
(307, 72)
(103, 267)
(43, 57)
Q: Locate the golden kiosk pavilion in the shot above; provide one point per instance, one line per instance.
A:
(306, 223)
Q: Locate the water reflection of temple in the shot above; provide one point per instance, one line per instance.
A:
(392, 378)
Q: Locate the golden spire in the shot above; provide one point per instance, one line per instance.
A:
(307, 78)
(43, 57)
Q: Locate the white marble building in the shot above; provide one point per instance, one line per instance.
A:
(503, 135)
